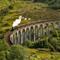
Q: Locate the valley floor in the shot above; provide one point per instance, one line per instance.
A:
(33, 54)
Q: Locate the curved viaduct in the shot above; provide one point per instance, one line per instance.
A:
(33, 31)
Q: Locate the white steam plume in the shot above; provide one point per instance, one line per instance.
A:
(17, 21)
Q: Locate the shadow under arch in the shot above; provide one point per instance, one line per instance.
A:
(40, 30)
(27, 34)
(15, 38)
(12, 39)
(36, 32)
(31, 33)
(20, 37)
(46, 29)
(23, 35)
(51, 26)
(58, 25)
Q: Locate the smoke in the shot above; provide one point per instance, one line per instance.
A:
(17, 21)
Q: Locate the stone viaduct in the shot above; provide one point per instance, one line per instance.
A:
(33, 31)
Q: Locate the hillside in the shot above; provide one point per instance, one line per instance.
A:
(46, 48)
(10, 10)
(18, 52)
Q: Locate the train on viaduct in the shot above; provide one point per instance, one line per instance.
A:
(32, 31)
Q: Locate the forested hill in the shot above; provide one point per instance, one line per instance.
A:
(55, 4)
(36, 10)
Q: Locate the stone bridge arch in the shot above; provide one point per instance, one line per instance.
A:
(33, 31)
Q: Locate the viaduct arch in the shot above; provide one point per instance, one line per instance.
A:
(33, 31)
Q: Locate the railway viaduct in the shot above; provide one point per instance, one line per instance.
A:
(33, 31)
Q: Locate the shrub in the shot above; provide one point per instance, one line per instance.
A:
(55, 43)
(3, 45)
(40, 44)
(28, 43)
(10, 7)
(1, 36)
(16, 53)
(36, 44)
(2, 55)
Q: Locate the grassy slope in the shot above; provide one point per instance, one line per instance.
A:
(33, 54)
(35, 11)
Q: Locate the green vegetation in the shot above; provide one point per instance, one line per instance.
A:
(18, 52)
(54, 4)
